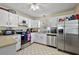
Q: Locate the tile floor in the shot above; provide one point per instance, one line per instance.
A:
(38, 49)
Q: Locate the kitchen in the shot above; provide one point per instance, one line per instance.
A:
(39, 28)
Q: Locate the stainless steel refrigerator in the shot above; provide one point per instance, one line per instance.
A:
(68, 36)
(71, 36)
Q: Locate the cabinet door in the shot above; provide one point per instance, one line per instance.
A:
(29, 23)
(39, 24)
(43, 39)
(20, 20)
(33, 37)
(33, 23)
(18, 39)
(18, 45)
(3, 18)
(37, 38)
(36, 23)
(52, 22)
(13, 20)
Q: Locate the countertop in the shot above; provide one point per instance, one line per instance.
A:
(6, 41)
(52, 34)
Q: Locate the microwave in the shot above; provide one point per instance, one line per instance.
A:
(53, 30)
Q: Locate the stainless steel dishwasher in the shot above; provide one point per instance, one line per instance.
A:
(51, 40)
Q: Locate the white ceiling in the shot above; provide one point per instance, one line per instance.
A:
(45, 8)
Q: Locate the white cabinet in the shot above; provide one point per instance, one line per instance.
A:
(18, 39)
(3, 18)
(20, 20)
(33, 23)
(26, 20)
(32, 37)
(39, 38)
(8, 19)
(13, 20)
(52, 22)
(29, 23)
(39, 23)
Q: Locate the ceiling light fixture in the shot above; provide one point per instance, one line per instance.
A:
(34, 6)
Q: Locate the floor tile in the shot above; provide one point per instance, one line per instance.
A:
(38, 49)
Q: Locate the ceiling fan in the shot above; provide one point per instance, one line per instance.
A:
(34, 6)
(37, 6)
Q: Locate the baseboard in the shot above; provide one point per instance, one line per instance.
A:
(68, 52)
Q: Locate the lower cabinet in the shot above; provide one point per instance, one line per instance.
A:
(42, 38)
(39, 38)
(18, 39)
(32, 37)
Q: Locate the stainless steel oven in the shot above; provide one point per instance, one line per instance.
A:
(51, 36)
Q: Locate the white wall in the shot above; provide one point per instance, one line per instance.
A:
(77, 9)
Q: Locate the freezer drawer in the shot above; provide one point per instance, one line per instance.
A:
(72, 43)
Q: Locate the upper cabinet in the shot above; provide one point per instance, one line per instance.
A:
(34, 24)
(39, 23)
(53, 22)
(4, 18)
(8, 19)
(23, 21)
(29, 23)
(13, 20)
